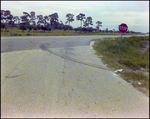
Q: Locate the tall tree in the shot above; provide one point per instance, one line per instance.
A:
(40, 19)
(88, 22)
(11, 23)
(46, 24)
(32, 18)
(99, 24)
(60, 25)
(69, 18)
(2, 16)
(43, 20)
(7, 17)
(53, 20)
(25, 20)
(81, 17)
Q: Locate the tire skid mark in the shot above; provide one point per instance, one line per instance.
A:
(14, 69)
(15, 76)
(44, 47)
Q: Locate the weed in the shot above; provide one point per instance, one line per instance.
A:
(51, 33)
(28, 34)
(131, 63)
(138, 77)
(126, 57)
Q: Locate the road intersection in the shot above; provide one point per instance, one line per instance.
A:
(61, 77)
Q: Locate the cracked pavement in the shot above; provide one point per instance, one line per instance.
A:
(65, 82)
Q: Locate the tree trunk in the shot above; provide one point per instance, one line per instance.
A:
(80, 26)
(97, 29)
(6, 25)
(69, 25)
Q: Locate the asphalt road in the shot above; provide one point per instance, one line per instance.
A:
(61, 77)
(9, 44)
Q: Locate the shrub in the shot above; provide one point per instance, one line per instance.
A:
(76, 29)
(127, 54)
(131, 63)
(28, 34)
(2, 25)
(15, 34)
(35, 28)
(135, 41)
(22, 27)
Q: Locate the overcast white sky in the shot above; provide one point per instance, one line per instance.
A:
(111, 13)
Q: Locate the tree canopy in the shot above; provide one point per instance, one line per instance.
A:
(69, 18)
(81, 17)
(88, 22)
(49, 21)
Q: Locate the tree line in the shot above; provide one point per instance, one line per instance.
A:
(46, 23)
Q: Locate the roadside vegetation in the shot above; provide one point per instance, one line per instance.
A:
(19, 32)
(132, 56)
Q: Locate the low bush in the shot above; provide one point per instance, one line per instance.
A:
(28, 34)
(131, 63)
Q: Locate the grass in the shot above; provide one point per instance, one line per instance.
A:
(126, 57)
(18, 32)
(137, 77)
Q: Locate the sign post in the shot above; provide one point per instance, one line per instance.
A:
(122, 28)
(120, 40)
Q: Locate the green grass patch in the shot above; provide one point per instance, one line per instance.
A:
(126, 57)
(127, 54)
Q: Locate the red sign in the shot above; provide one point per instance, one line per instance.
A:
(123, 28)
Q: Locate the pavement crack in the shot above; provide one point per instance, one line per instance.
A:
(14, 68)
(15, 76)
